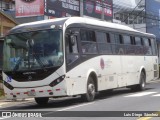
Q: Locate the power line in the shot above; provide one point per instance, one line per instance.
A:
(132, 11)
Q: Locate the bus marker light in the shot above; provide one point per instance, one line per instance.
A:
(18, 93)
(49, 90)
(58, 89)
(25, 92)
(40, 91)
(33, 90)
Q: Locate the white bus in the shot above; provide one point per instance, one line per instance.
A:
(73, 56)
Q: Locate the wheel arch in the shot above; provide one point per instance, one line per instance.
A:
(93, 74)
(142, 70)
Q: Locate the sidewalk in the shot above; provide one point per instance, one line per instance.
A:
(9, 103)
(155, 81)
(18, 100)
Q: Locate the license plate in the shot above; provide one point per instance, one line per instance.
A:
(31, 93)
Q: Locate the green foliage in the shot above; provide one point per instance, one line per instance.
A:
(1, 92)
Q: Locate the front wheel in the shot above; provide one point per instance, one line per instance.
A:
(91, 91)
(42, 100)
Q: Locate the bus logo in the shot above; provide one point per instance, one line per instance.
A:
(102, 63)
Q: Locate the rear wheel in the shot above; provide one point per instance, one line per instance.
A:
(42, 100)
(142, 85)
(91, 91)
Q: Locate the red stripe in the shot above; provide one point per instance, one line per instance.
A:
(49, 90)
(58, 89)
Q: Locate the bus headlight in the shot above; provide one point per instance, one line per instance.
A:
(8, 85)
(57, 81)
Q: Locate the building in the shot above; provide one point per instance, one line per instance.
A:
(131, 13)
(140, 15)
(6, 22)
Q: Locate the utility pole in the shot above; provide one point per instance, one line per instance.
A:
(102, 16)
(81, 8)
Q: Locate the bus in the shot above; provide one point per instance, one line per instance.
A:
(76, 56)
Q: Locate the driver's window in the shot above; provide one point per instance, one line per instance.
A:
(71, 48)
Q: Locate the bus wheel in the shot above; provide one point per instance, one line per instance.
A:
(91, 91)
(42, 100)
(142, 85)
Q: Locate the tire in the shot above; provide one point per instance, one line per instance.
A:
(42, 101)
(91, 91)
(142, 83)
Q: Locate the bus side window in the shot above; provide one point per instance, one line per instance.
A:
(127, 40)
(88, 41)
(118, 38)
(120, 48)
(138, 47)
(147, 47)
(112, 39)
(132, 40)
(138, 41)
(103, 41)
(153, 46)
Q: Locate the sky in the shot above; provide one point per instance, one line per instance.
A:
(125, 3)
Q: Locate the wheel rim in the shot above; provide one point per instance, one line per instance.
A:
(91, 91)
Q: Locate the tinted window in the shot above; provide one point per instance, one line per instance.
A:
(112, 39)
(132, 40)
(118, 39)
(87, 35)
(145, 41)
(127, 39)
(102, 41)
(72, 52)
(138, 40)
(101, 37)
(153, 45)
(147, 47)
(88, 42)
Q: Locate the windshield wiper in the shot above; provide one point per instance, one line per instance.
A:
(30, 44)
(17, 64)
(39, 62)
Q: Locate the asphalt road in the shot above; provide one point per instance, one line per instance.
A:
(119, 100)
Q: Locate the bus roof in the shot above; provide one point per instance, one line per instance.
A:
(71, 20)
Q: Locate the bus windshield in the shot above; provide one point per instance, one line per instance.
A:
(33, 50)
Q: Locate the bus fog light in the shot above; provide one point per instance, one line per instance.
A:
(51, 93)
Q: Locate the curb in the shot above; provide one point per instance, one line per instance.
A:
(155, 81)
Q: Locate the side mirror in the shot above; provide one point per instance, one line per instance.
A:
(73, 39)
